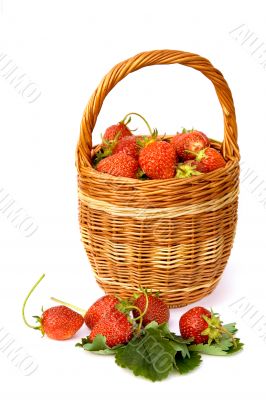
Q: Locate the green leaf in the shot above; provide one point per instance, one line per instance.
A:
(187, 364)
(225, 343)
(212, 349)
(239, 346)
(98, 345)
(177, 342)
(149, 355)
(179, 339)
(231, 327)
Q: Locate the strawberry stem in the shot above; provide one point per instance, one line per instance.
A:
(140, 317)
(80, 310)
(25, 302)
(138, 115)
(141, 314)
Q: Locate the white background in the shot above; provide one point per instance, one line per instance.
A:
(65, 47)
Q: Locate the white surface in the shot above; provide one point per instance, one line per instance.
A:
(66, 47)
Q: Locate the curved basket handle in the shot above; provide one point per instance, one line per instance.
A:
(157, 57)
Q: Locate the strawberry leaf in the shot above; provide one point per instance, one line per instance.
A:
(187, 364)
(231, 327)
(238, 347)
(178, 342)
(213, 349)
(148, 355)
(153, 354)
(225, 343)
(98, 345)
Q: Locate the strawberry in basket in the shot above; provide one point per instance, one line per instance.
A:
(189, 142)
(158, 160)
(117, 131)
(119, 164)
(207, 160)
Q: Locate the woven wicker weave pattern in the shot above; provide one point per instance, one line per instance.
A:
(169, 235)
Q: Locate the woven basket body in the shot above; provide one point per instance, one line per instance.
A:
(172, 235)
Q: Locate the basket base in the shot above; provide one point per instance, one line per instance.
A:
(173, 300)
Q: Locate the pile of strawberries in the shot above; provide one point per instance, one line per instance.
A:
(155, 157)
(136, 332)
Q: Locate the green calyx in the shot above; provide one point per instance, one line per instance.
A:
(107, 149)
(141, 174)
(216, 331)
(200, 155)
(38, 319)
(144, 141)
(184, 130)
(186, 171)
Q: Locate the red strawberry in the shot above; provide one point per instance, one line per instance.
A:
(157, 310)
(119, 165)
(189, 141)
(100, 309)
(158, 160)
(208, 160)
(115, 327)
(127, 145)
(60, 322)
(117, 131)
(192, 324)
(203, 326)
(196, 166)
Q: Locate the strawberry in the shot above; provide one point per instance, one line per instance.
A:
(203, 326)
(208, 160)
(127, 145)
(192, 324)
(115, 327)
(59, 323)
(189, 142)
(119, 164)
(158, 160)
(196, 166)
(102, 307)
(155, 309)
(117, 131)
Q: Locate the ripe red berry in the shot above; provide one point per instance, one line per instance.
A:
(117, 131)
(192, 324)
(119, 165)
(102, 307)
(157, 309)
(188, 143)
(208, 160)
(60, 322)
(115, 327)
(158, 160)
(127, 145)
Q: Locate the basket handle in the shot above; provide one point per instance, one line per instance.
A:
(157, 57)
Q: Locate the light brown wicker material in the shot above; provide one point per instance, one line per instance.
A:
(172, 235)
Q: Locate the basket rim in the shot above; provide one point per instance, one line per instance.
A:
(93, 173)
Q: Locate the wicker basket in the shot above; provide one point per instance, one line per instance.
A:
(172, 235)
